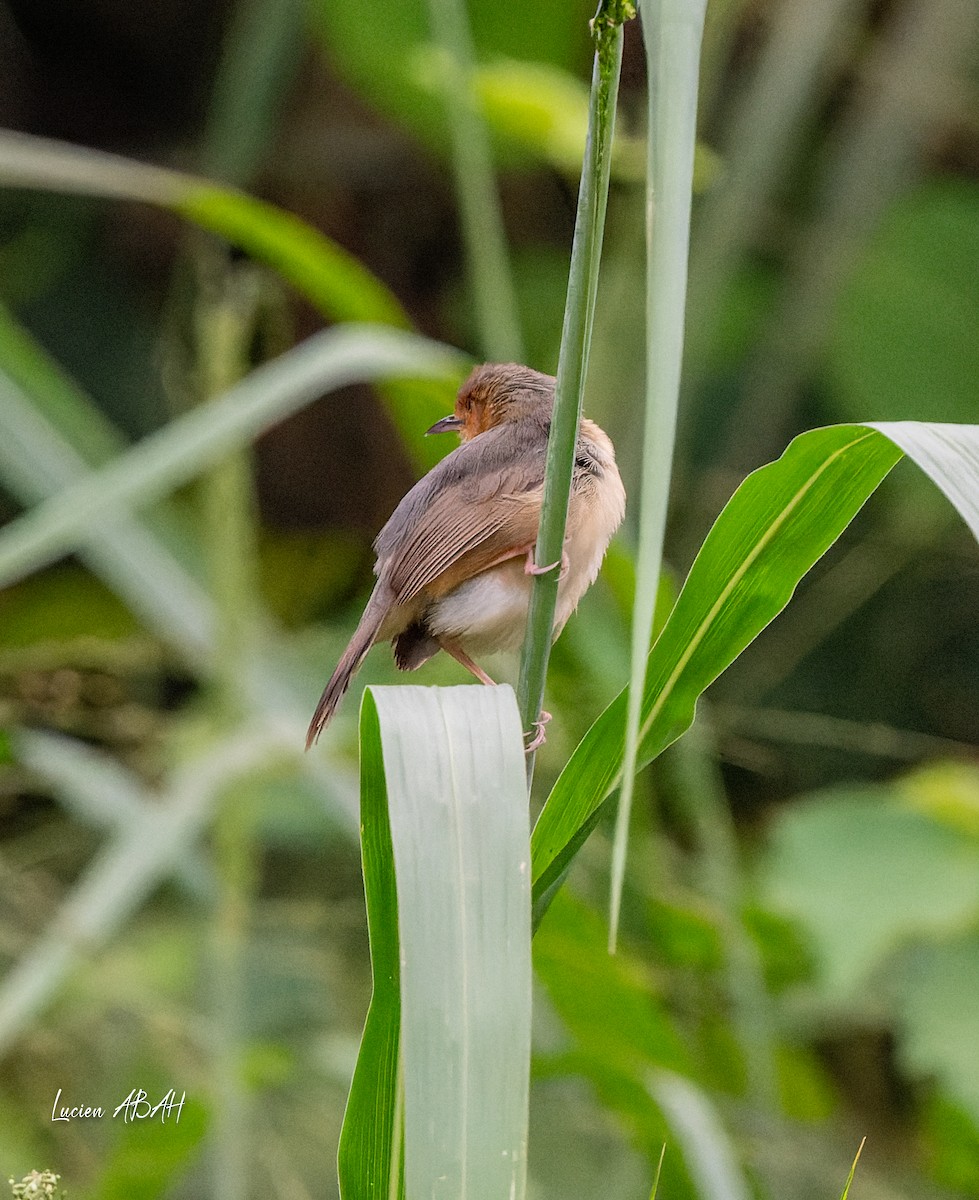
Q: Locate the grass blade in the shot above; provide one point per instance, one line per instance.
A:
(672, 32)
(332, 279)
(140, 856)
(98, 790)
(445, 861)
(853, 1169)
(336, 282)
(659, 1171)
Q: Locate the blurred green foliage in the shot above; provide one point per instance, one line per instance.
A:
(853, 872)
(904, 343)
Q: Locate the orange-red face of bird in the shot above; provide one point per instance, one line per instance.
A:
(496, 393)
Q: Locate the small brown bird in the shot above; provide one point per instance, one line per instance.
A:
(455, 561)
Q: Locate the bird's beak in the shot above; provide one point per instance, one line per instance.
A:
(446, 425)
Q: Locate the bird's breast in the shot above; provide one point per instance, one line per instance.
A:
(486, 613)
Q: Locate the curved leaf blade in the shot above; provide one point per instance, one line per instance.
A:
(948, 454)
(331, 278)
(779, 522)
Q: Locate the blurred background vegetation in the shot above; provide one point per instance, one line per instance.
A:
(801, 925)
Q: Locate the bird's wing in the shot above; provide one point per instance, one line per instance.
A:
(480, 505)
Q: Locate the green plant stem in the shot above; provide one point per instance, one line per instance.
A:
(229, 309)
(235, 860)
(579, 315)
(493, 294)
(672, 32)
(228, 314)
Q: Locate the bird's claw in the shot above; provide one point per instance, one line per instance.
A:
(531, 568)
(539, 737)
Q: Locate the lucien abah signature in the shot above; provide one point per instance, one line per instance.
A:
(137, 1106)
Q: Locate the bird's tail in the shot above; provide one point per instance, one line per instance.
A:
(355, 653)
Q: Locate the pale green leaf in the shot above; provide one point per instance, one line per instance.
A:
(948, 455)
(446, 864)
(704, 1143)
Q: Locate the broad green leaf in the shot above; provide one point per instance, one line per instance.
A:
(609, 1003)
(537, 108)
(176, 453)
(446, 869)
(779, 522)
(627, 1046)
(865, 875)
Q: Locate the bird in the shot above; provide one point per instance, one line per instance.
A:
(455, 561)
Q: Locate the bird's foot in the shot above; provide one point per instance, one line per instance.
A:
(531, 568)
(537, 732)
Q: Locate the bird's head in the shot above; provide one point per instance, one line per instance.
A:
(496, 394)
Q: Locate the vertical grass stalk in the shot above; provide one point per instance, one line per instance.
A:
(228, 309)
(579, 316)
(672, 33)
(476, 191)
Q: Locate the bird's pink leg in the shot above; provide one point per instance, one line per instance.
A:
(530, 568)
(461, 657)
(539, 737)
(464, 660)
